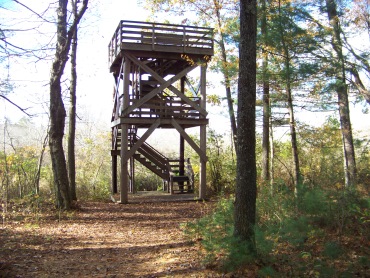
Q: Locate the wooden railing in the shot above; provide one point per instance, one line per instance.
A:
(152, 154)
(159, 36)
(166, 107)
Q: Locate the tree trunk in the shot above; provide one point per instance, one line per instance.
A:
(292, 123)
(39, 164)
(226, 75)
(272, 153)
(345, 121)
(246, 177)
(72, 115)
(266, 103)
(293, 138)
(57, 110)
(58, 113)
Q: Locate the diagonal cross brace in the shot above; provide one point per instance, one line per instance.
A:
(200, 152)
(143, 138)
(164, 84)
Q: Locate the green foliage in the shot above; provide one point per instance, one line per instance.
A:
(332, 250)
(295, 230)
(267, 271)
(215, 232)
(314, 202)
(146, 180)
(221, 164)
(284, 223)
(19, 168)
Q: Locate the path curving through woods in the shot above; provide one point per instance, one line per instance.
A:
(140, 239)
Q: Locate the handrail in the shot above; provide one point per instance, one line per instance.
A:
(152, 149)
(166, 106)
(159, 35)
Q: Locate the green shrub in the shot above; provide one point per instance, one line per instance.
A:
(267, 271)
(314, 202)
(295, 230)
(215, 232)
(332, 250)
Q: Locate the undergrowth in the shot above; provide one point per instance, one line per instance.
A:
(315, 235)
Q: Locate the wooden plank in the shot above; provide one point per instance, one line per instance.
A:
(165, 122)
(145, 50)
(141, 23)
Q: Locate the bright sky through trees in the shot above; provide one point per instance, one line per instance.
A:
(95, 84)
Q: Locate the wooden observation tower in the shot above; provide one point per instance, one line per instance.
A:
(150, 63)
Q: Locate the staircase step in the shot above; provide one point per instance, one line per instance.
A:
(180, 178)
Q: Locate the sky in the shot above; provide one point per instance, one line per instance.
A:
(95, 82)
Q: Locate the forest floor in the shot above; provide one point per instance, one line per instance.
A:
(105, 239)
(144, 239)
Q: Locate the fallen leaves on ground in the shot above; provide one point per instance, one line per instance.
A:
(140, 239)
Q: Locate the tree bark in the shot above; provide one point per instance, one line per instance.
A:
(343, 103)
(39, 164)
(226, 74)
(293, 139)
(57, 109)
(292, 123)
(266, 103)
(246, 177)
(72, 115)
(58, 113)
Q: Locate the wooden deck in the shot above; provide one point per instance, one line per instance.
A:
(148, 39)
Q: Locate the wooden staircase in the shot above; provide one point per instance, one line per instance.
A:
(153, 160)
(167, 169)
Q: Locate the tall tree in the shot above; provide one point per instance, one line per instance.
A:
(222, 16)
(265, 99)
(342, 94)
(358, 18)
(57, 109)
(291, 48)
(246, 178)
(72, 111)
(288, 89)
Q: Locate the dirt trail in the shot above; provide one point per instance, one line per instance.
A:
(141, 239)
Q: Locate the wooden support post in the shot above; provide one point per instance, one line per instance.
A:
(132, 175)
(182, 155)
(124, 135)
(203, 135)
(124, 164)
(114, 174)
(182, 143)
(181, 162)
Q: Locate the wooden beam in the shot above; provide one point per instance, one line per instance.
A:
(145, 136)
(124, 171)
(200, 152)
(203, 136)
(126, 84)
(114, 174)
(167, 84)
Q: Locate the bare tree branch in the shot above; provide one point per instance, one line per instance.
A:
(32, 11)
(16, 105)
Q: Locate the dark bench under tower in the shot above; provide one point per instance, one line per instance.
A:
(150, 63)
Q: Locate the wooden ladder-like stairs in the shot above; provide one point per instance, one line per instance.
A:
(167, 169)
